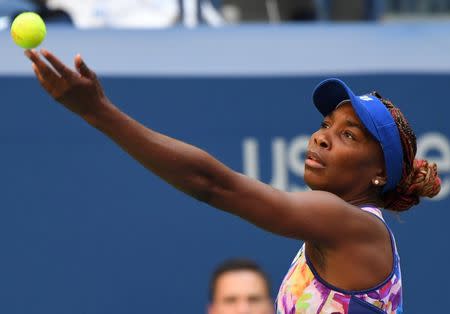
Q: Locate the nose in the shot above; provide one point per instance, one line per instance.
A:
(321, 140)
(244, 308)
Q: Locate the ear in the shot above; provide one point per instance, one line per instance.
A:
(210, 309)
(380, 179)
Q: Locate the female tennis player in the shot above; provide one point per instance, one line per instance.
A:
(361, 159)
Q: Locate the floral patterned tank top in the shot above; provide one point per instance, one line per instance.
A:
(303, 291)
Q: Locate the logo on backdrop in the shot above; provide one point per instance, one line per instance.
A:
(288, 158)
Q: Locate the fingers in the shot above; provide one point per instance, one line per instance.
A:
(57, 64)
(82, 68)
(46, 72)
(46, 76)
(41, 80)
(38, 74)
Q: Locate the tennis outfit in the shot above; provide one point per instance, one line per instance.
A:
(303, 291)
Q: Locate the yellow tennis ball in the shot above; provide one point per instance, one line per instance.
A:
(28, 30)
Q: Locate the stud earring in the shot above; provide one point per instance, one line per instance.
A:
(376, 181)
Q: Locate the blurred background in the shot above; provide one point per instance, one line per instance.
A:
(85, 229)
(165, 13)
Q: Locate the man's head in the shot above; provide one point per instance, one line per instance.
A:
(239, 286)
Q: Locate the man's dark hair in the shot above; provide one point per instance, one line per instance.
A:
(236, 264)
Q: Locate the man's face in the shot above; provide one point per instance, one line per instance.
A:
(241, 292)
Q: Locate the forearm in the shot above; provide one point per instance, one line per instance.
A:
(184, 166)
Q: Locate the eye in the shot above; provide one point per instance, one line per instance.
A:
(255, 299)
(349, 135)
(230, 300)
(324, 125)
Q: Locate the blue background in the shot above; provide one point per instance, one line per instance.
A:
(85, 229)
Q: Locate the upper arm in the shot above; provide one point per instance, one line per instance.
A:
(311, 216)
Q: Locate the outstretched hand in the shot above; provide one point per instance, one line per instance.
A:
(80, 91)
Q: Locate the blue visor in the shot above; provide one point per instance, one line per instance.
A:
(373, 115)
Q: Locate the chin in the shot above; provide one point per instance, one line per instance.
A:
(314, 183)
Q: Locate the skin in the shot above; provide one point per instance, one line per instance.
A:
(350, 248)
(241, 292)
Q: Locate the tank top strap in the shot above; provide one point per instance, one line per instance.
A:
(377, 212)
(373, 210)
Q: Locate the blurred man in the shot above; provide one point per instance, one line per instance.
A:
(240, 287)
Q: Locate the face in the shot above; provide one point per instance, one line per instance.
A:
(241, 292)
(343, 158)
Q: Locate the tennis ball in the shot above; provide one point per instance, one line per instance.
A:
(28, 30)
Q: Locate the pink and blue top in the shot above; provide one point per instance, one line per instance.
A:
(303, 291)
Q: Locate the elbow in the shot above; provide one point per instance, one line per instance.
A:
(202, 196)
(210, 184)
(202, 189)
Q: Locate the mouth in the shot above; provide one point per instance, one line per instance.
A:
(314, 160)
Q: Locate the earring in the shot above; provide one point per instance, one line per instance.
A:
(376, 182)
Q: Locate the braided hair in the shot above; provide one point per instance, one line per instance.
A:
(419, 177)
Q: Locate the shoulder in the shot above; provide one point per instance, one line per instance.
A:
(345, 221)
(326, 203)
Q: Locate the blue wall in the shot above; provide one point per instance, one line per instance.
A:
(84, 229)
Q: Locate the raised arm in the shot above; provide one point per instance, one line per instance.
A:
(314, 215)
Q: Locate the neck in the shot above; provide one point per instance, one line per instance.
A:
(372, 199)
(358, 203)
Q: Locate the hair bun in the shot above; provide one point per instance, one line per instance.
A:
(424, 180)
